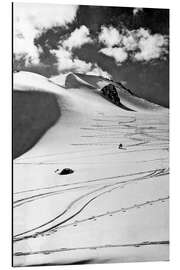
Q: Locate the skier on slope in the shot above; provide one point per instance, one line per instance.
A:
(120, 146)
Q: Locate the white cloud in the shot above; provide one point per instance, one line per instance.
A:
(67, 62)
(77, 38)
(45, 15)
(141, 32)
(139, 44)
(31, 18)
(24, 34)
(118, 53)
(109, 36)
(150, 46)
(129, 41)
(64, 56)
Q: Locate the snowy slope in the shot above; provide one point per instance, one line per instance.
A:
(114, 207)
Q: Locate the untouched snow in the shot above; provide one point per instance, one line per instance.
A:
(114, 207)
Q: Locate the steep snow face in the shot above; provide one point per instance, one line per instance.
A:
(124, 97)
(73, 81)
(114, 206)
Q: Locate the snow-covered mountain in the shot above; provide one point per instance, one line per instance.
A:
(114, 206)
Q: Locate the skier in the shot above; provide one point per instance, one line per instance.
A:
(120, 146)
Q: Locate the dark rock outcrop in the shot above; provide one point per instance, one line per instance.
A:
(109, 91)
(66, 171)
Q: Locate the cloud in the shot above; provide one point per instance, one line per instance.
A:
(24, 34)
(150, 46)
(77, 38)
(109, 36)
(129, 41)
(45, 15)
(31, 18)
(118, 53)
(67, 63)
(139, 45)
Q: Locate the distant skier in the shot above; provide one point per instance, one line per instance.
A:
(121, 147)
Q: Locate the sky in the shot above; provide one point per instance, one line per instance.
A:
(129, 45)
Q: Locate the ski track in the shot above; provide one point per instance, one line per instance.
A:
(48, 252)
(153, 174)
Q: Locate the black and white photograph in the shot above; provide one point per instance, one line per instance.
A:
(90, 132)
